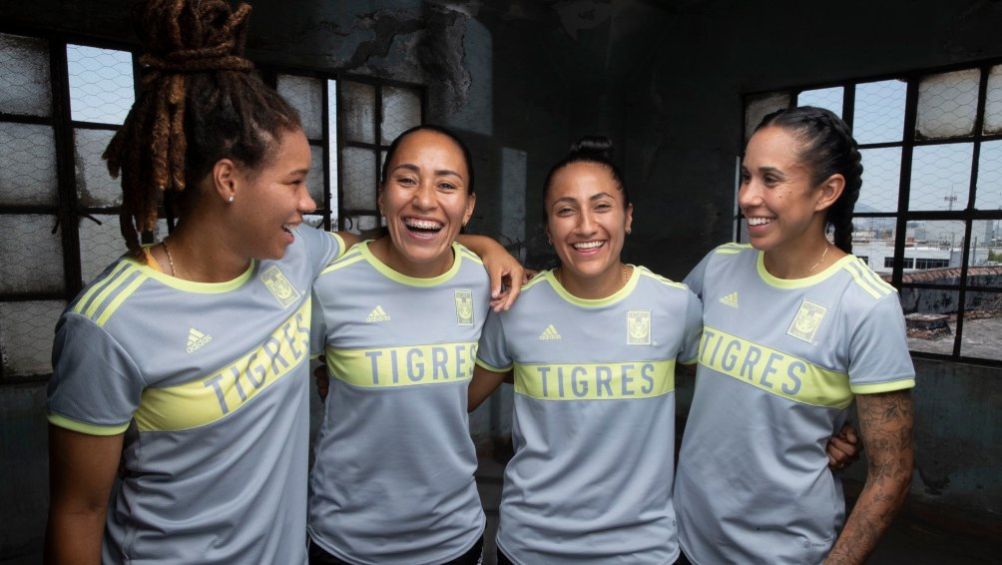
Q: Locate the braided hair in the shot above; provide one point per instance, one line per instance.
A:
(588, 149)
(828, 149)
(199, 101)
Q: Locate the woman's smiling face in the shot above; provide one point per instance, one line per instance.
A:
(426, 200)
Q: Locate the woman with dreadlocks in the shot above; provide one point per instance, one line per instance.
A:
(184, 365)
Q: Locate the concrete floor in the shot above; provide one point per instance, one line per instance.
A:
(908, 541)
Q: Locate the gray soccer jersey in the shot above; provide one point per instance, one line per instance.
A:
(779, 364)
(591, 478)
(393, 478)
(210, 384)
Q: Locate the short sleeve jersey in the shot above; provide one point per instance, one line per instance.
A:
(593, 429)
(779, 364)
(393, 480)
(209, 382)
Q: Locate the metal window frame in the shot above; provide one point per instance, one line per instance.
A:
(908, 142)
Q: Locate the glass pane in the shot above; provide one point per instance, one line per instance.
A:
(930, 318)
(985, 261)
(989, 195)
(982, 325)
(993, 102)
(933, 251)
(359, 190)
(306, 95)
(879, 111)
(873, 240)
(401, 111)
(101, 86)
(26, 332)
(757, 107)
(95, 186)
(881, 180)
(27, 164)
(31, 256)
(941, 177)
(24, 75)
(332, 145)
(947, 104)
(827, 98)
(100, 244)
(359, 112)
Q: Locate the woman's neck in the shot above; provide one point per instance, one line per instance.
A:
(595, 288)
(199, 251)
(802, 258)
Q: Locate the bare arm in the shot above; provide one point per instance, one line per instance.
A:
(349, 239)
(504, 270)
(81, 473)
(885, 421)
(484, 384)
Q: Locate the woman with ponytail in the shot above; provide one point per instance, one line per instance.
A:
(795, 329)
(183, 368)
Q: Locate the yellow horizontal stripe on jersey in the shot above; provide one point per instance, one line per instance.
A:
(390, 367)
(85, 428)
(206, 400)
(773, 371)
(890, 386)
(595, 381)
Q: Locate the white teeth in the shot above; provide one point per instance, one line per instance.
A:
(588, 245)
(758, 221)
(422, 224)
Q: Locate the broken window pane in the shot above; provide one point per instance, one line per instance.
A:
(401, 111)
(941, 177)
(947, 104)
(989, 195)
(758, 107)
(306, 95)
(101, 86)
(26, 332)
(359, 190)
(27, 164)
(881, 180)
(827, 98)
(982, 325)
(993, 102)
(985, 261)
(95, 187)
(359, 112)
(24, 75)
(31, 256)
(879, 114)
(315, 180)
(930, 319)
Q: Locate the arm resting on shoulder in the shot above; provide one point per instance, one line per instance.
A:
(504, 270)
(82, 471)
(484, 384)
(885, 422)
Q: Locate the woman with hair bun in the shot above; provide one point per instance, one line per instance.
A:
(593, 346)
(184, 366)
(795, 329)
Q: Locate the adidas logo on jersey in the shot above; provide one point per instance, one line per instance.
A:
(730, 300)
(196, 340)
(378, 315)
(549, 334)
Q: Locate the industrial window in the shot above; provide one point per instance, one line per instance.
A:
(929, 216)
(60, 104)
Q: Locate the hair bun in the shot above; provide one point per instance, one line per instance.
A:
(595, 146)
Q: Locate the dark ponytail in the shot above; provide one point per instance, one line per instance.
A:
(829, 149)
(588, 149)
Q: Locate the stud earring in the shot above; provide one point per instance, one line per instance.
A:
(628, 230)
(230, 199)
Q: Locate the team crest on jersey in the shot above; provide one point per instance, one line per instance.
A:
(279, 286)
(638, 327)
(807, 321)
(464, 307)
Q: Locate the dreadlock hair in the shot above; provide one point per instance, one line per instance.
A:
(828, 149)
(588, 149)
(199, 101)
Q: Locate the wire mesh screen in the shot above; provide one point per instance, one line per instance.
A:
(947, 105)
(95, 187)
(27, 164)
(31, 254)
(306, 95)
(101, 85)
(24, 76)
(26, 332)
